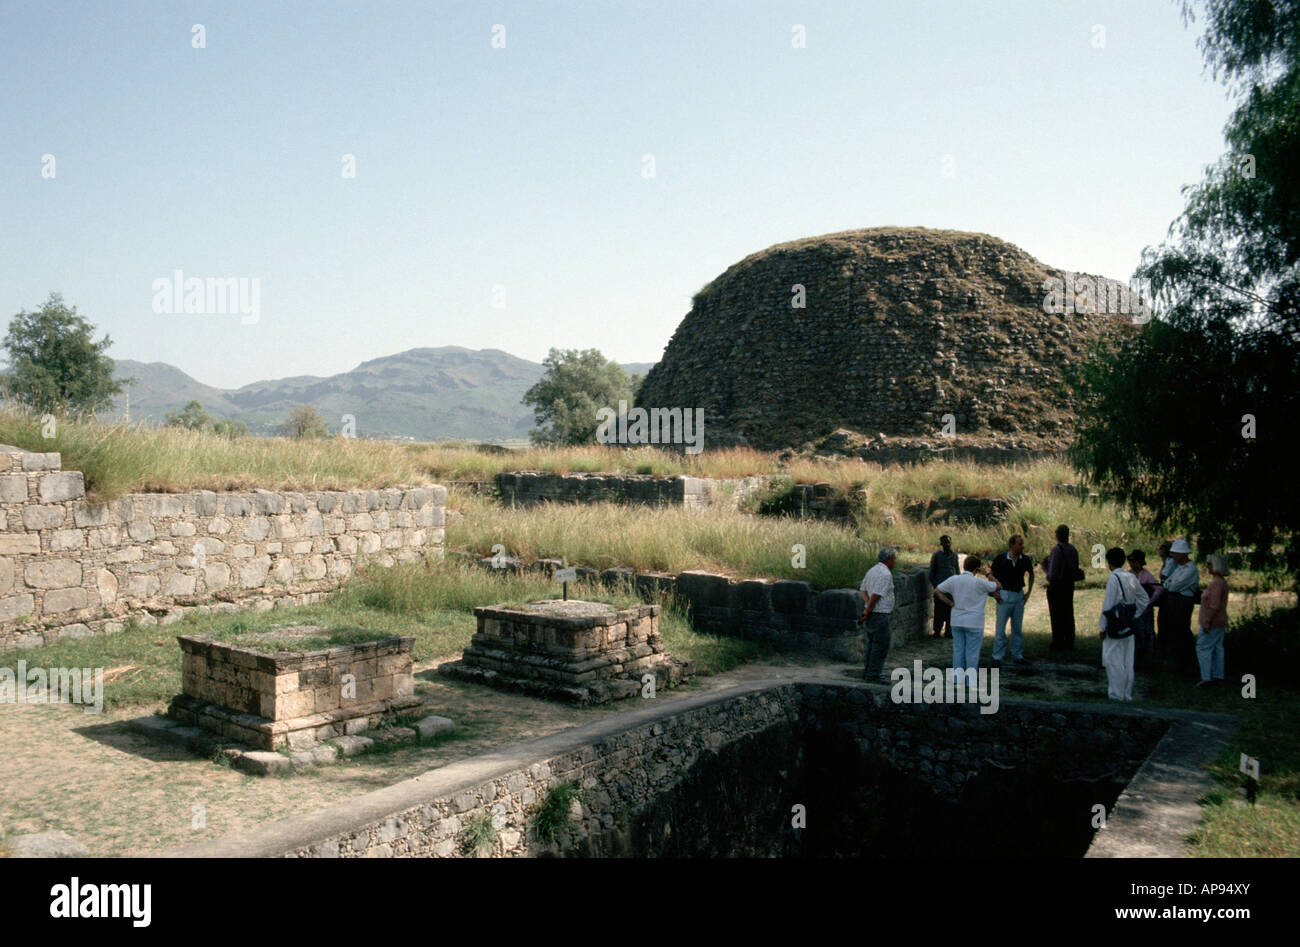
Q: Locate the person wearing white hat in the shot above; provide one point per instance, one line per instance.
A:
(1181, 586)
(1213, 621)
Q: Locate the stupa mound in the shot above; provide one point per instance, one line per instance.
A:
(886, 331)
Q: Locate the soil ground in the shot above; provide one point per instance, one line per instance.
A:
(122, 794)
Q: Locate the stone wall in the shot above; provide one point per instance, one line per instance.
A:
(982, 511)
(794, 616)
(946, 745)
(791, 614)
(818, 501)
(532, 487)
(624, 766)
(70, 569)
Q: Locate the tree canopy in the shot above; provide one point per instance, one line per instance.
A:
(573, 387)
(55, 365)
(194, 417)
(1189, 420)
(305, 421)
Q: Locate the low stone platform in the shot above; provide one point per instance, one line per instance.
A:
(293, 699)
(259, 762)
(575, 651)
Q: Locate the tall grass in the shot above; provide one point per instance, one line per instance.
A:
(123, 458)
(421, 588)
(723, 540)
(666, 539)
(464, 462)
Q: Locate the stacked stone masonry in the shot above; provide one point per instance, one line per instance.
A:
(292, 699)
(791, 614)
(943, 745)
(533, 487)
(69, 568)
(582, 652)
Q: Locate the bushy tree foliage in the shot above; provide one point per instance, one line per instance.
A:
(55, 364)
(305, 421)
(192, 416)
(1194, 418)
(573, 387)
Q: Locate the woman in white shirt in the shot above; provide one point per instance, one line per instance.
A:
(966, 594)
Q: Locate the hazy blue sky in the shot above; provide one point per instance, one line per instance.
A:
(522, 167)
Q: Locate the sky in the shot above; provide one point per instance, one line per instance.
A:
(555, 174)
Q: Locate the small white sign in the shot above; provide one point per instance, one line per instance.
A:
(566, 575)
(1250, 766)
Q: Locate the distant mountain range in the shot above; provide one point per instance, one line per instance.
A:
(447, 393)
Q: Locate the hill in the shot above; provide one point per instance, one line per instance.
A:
(425, 393)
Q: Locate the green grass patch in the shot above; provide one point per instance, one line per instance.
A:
(553, 814)
(479, 836)
(330, 638)
(433, 605)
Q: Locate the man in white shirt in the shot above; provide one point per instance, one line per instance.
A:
(877, 591)
(966, 595)
(1117, 653)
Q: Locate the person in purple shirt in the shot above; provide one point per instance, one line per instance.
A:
(1062, 568)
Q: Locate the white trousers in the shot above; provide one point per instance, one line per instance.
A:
(1117, 659)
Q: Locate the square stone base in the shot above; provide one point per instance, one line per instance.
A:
(576, 651)
(296, 733)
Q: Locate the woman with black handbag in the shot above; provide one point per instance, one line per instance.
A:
(1121, 609)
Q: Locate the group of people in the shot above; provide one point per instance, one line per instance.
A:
(1131, 634)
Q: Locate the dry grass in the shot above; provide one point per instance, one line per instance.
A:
(466, 462)
(121, 458)
(667, 539)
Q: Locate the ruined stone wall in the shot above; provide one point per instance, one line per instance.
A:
(70, 569)
(791, 614)
(622, 775)
(946, 745)
(794, 616)
(532, 487)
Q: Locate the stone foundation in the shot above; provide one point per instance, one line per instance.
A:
(791, 614)
(582, 652)
(982, 511)
(69, 568)
(628, 765)
(533, 487)
(292, 699)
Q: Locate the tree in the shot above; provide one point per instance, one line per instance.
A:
(55, 365)
(226, 427)
(573, 387)
(192, 416)
(195, 418)
(1190, 420)
(305, 421)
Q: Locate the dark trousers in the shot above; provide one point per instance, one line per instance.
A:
(942, 616)
(1175, 639)
(876, 632)
(1060, 609)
